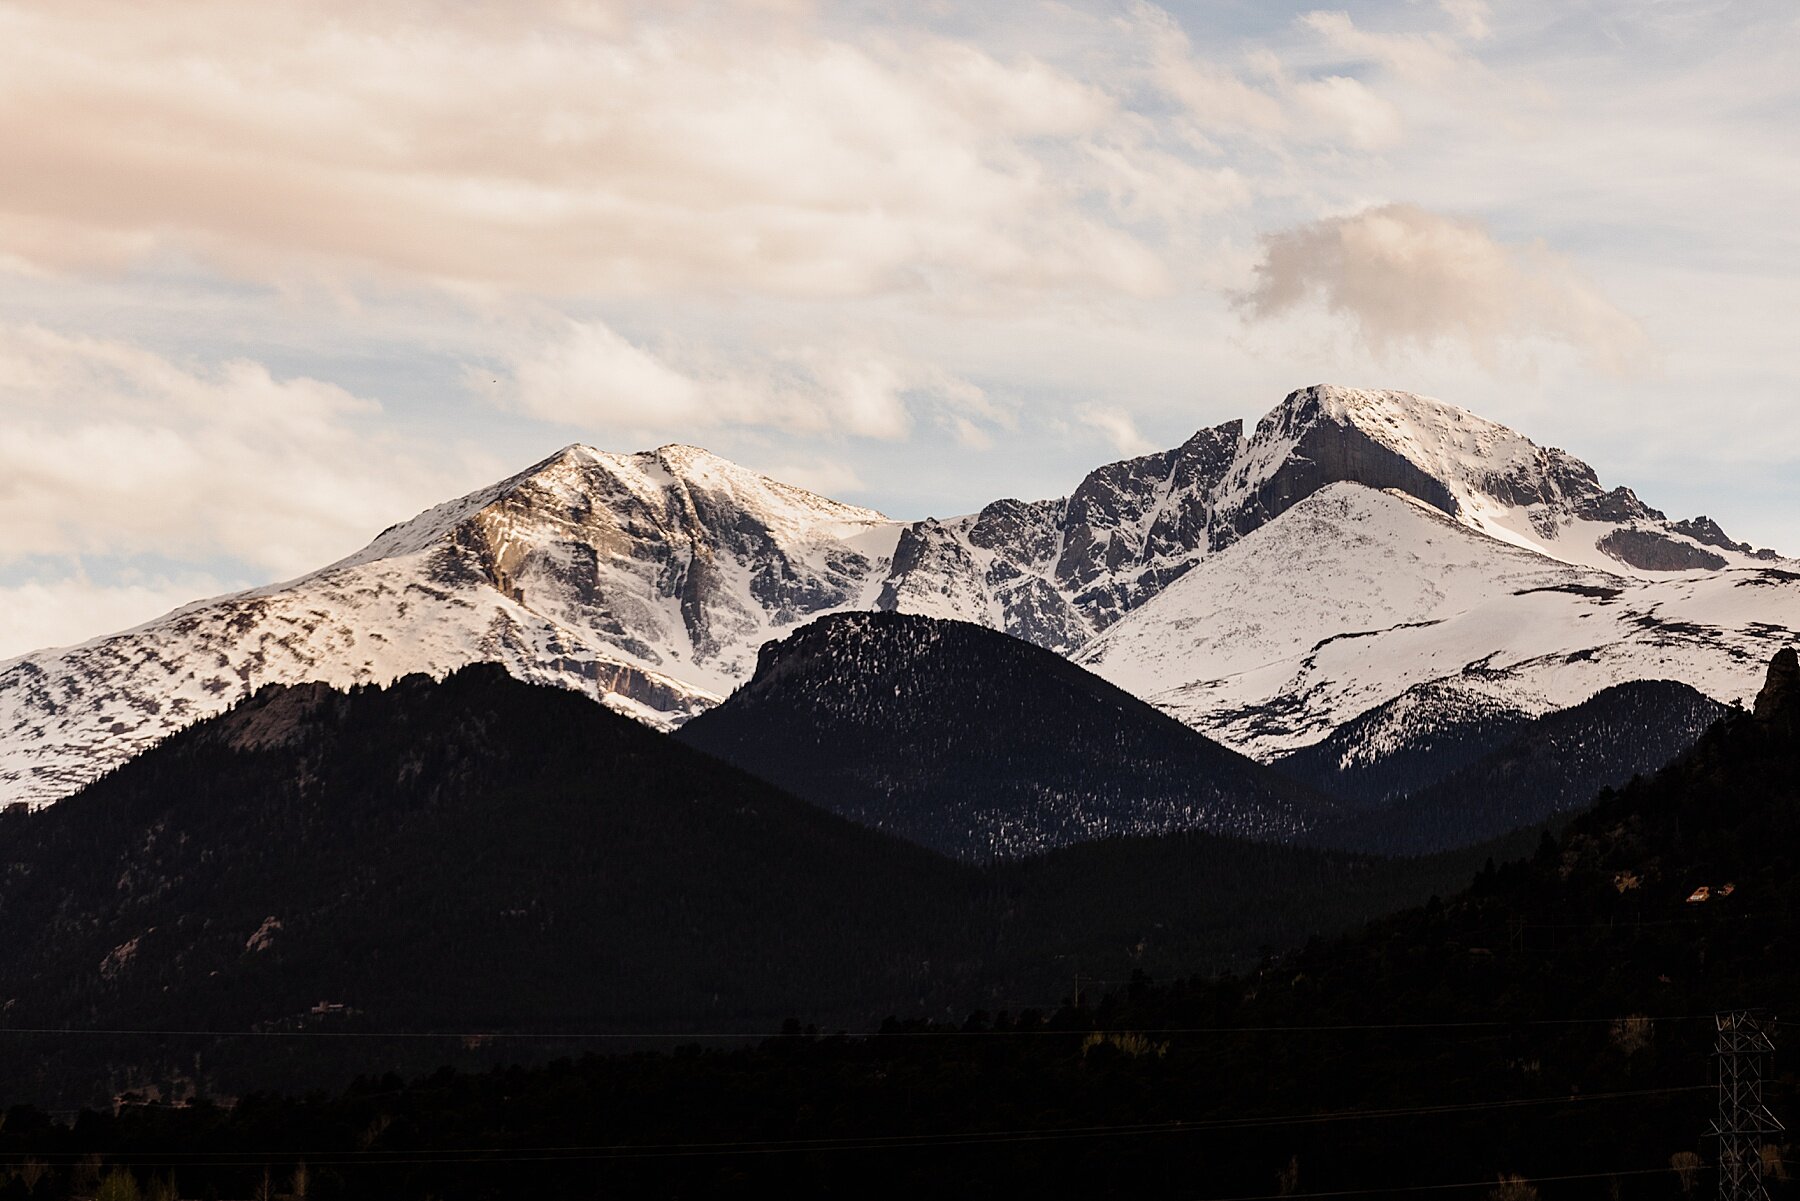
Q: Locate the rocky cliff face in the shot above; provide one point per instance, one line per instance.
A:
(1705, 530)
(1059, 573)
(1485, 475)
(1315, 444)
(650, 580)
(1778, 704)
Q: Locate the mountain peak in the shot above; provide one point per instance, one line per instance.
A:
(1487, 476)
(1342, 401)
(694, 468)
(687, 452)
(1440, 438)
(573, 452)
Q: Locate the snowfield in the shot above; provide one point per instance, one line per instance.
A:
(1355, 596)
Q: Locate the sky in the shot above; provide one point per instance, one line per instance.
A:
(276, 276)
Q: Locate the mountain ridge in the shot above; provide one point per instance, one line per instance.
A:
(648, 581)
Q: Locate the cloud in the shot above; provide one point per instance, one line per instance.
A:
(1471, 17)
(1268, 104)
(1116, 424)
(1419, 57)
(826, 478)
(110, 449)
(967, 433)
(1404, 276)
(787, 214)
(591, 373)
(69, 609)
(567, 148)
(1215, 96)
(583, 373)
(1350, 110)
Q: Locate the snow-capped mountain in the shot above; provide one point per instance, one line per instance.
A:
(1058, 572)
(1356, 597)
(1220, 579)
(646, 580)
(1483, 474)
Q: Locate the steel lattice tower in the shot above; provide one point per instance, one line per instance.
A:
(1744, 1039)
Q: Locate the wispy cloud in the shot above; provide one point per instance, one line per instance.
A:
(584, 373)
(1427, 57)
(108, 448)
(1116, 425)
(73, 607)
(563, 149)
(824, 477)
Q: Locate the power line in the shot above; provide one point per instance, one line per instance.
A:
(1634, 923)
(859, 1142)
(871, 1035)
(1743, 1122)
(1438, 1188)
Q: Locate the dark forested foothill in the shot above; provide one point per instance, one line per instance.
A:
(978, 745)
(1511, 771)
(1551, 1021)
(959, 738)
(482, 855)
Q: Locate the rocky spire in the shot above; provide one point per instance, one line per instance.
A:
(1779, 701)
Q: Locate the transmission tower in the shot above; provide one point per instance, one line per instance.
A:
(1744, 1038)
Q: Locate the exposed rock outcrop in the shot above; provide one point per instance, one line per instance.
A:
(1778, 704)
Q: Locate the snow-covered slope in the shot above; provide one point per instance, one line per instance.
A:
(646, 580)
(1355, 596)
(650, 580)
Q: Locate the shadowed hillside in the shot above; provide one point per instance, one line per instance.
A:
(976, 744)
(481, 855)
(1545, 1032)
(1515, 773)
